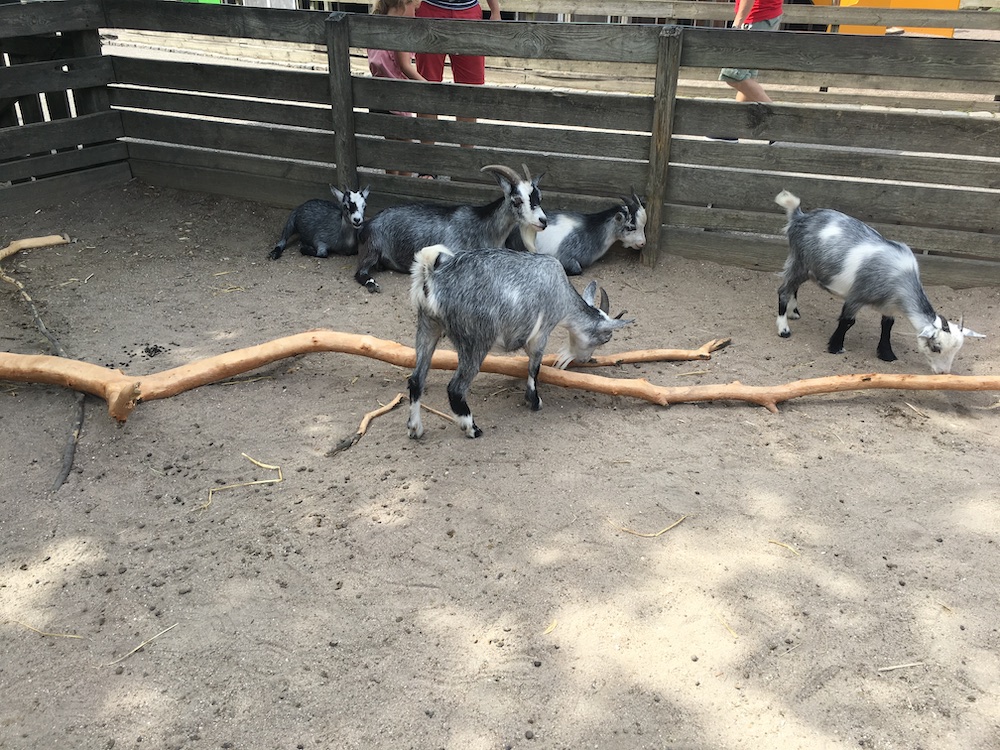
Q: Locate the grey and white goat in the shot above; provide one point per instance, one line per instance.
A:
(325, 227)
(392, 238)
(578, 240)
(488, 297)
(853, 261)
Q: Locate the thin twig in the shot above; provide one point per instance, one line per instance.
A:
(438, 413)
(901, 666)
(786, 546)
(647, 535)
(726, 624)
(42, 632)
(213, 490)
(365, 421)
(141, 645)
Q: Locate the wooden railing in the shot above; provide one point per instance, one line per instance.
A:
(281, 135)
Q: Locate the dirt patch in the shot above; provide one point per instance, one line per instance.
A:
(832, 583)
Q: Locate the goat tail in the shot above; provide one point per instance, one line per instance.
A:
(788, 202)
(422, 274)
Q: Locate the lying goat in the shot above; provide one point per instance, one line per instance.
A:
(393, 237)
(489, 297)
(853, 261)
(579, 240)
(325, 227)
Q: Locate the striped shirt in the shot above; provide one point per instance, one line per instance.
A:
(453, 4)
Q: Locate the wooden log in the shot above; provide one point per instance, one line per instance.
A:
(123, 392)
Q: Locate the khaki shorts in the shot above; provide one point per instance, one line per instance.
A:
(741, 74)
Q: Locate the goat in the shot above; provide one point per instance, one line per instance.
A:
(488, 297)
(393, 237)
(850, 259)
(578, 240)
(325, 227)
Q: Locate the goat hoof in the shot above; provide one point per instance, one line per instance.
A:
(785, 334)
(841, 350)
(887, 356)
(274, 254)
(372, 287)
(476, 432)
(793, 315)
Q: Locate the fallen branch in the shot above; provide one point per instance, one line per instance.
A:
(122, 392)
(365, 421)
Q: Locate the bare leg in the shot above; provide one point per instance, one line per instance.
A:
(749, 90)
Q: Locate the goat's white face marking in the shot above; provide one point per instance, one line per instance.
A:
(530, 214)
(940, 346)
(635, 239)
(556, 231)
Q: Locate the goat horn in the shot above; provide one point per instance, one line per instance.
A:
(605, 303)
(620, 315)
(527, 174)
(504, 171)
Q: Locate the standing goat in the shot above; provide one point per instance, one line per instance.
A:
(325, 227)
(578, 240)
(853, 261)
(489, 297)
(393, 237)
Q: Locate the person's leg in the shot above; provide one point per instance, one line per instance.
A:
(749, 90)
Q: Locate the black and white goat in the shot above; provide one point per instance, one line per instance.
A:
(324, 227)
(853, 261)
(392, 238)
(578, 240)
(497, 297)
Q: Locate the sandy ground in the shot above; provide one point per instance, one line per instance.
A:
(832, 584)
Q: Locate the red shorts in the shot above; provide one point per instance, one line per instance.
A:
(464, 68)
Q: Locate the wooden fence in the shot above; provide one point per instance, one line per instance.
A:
(280, 135)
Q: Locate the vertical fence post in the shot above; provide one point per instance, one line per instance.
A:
(668, 63)
(338, 53)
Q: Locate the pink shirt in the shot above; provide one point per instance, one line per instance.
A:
(383, 64)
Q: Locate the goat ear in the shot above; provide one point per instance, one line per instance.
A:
(364, 193)
(589, 293)
(969, 333)
(336, 193)
(944, 325)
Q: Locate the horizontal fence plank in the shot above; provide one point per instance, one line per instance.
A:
(513, 136)
(63, 161)
(232, 80)
(953, 133)
(525, 39)
(275, 113)
(61, 134)
(912, 57)
(573, 108)
(768, 254)
(262, 139)
(918, 205)
(37, 18)
(30, 196)
(54, 75)
(579, 175)
(941, 241)
(820, 14)
(863, 163)
(219, 20)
